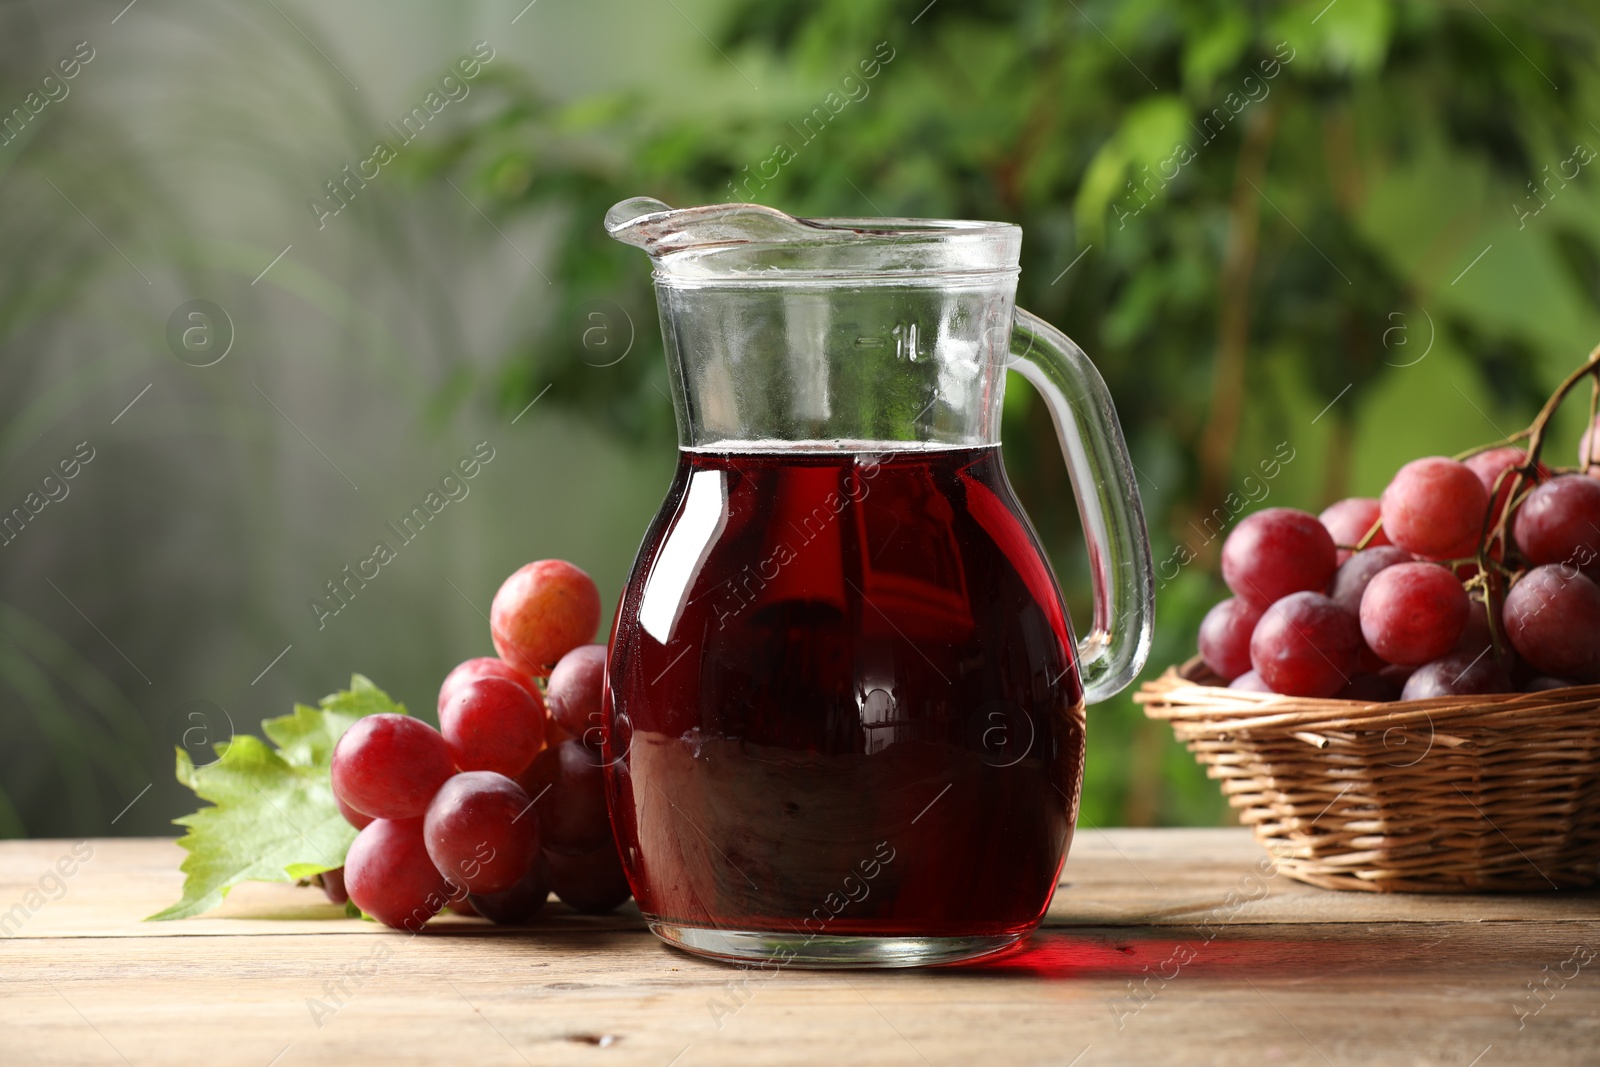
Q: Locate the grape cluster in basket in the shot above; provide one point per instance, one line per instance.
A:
(505, 803)
(1469, 576)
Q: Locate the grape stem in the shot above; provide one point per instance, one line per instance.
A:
(1366, 538)
(1594, 404)
(1492, 569)
(1477, 449)
(1527, 470)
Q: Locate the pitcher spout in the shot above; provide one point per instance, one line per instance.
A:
(730, 240)
(661, 230)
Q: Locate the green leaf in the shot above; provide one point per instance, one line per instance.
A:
(1153, 128)
(1214, 47)
(1101, 181)
(1351, 36)
(1147, 142)
(273, 817)
(1355, 35)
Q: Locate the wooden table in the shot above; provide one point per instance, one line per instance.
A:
(1162, 947)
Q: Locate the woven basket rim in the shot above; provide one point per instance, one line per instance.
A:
(1189, 691)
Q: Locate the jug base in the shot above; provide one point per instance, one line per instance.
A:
(824, 952)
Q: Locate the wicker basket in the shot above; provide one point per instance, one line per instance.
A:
(1448, 795)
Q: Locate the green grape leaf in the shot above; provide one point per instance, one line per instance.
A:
(272, 816)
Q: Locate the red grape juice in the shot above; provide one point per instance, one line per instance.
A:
(842, 699)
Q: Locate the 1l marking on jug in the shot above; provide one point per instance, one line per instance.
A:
(905, 341)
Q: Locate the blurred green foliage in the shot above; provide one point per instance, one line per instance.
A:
(1356, 232)
(1333, 236)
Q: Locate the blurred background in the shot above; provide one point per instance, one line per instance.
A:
(1313, 239)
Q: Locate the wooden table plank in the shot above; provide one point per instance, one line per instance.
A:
(1128, 877)
(1294, 975)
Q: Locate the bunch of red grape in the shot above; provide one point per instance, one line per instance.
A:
(505, 802)
(1377, 600)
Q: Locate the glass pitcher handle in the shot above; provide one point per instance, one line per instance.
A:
(1118, 643)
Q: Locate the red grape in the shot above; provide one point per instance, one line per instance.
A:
(553, 733)
(1349, 520)
(481, 831)
(1475, 636)
(358, 819)
(1544, 683)
(1225, 636)
(1277, 552)
(491, 724)
(390, 877)
(1489, 465)
(518, 904)
(1353, 575)
(1458, 674)
(1434, 508)
(574, 692)
(1397, 675)
(1306, 645)
(1552, 616)
(1250, 682)
(1368, 661)
(483, 667)
(542, 612)
(1560, 523)
(591, 882)
(1369, 689)
(333, 885)
(1413, 613)
(568, 791)
(390, 766)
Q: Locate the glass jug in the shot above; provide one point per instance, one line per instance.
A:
(844, 703)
